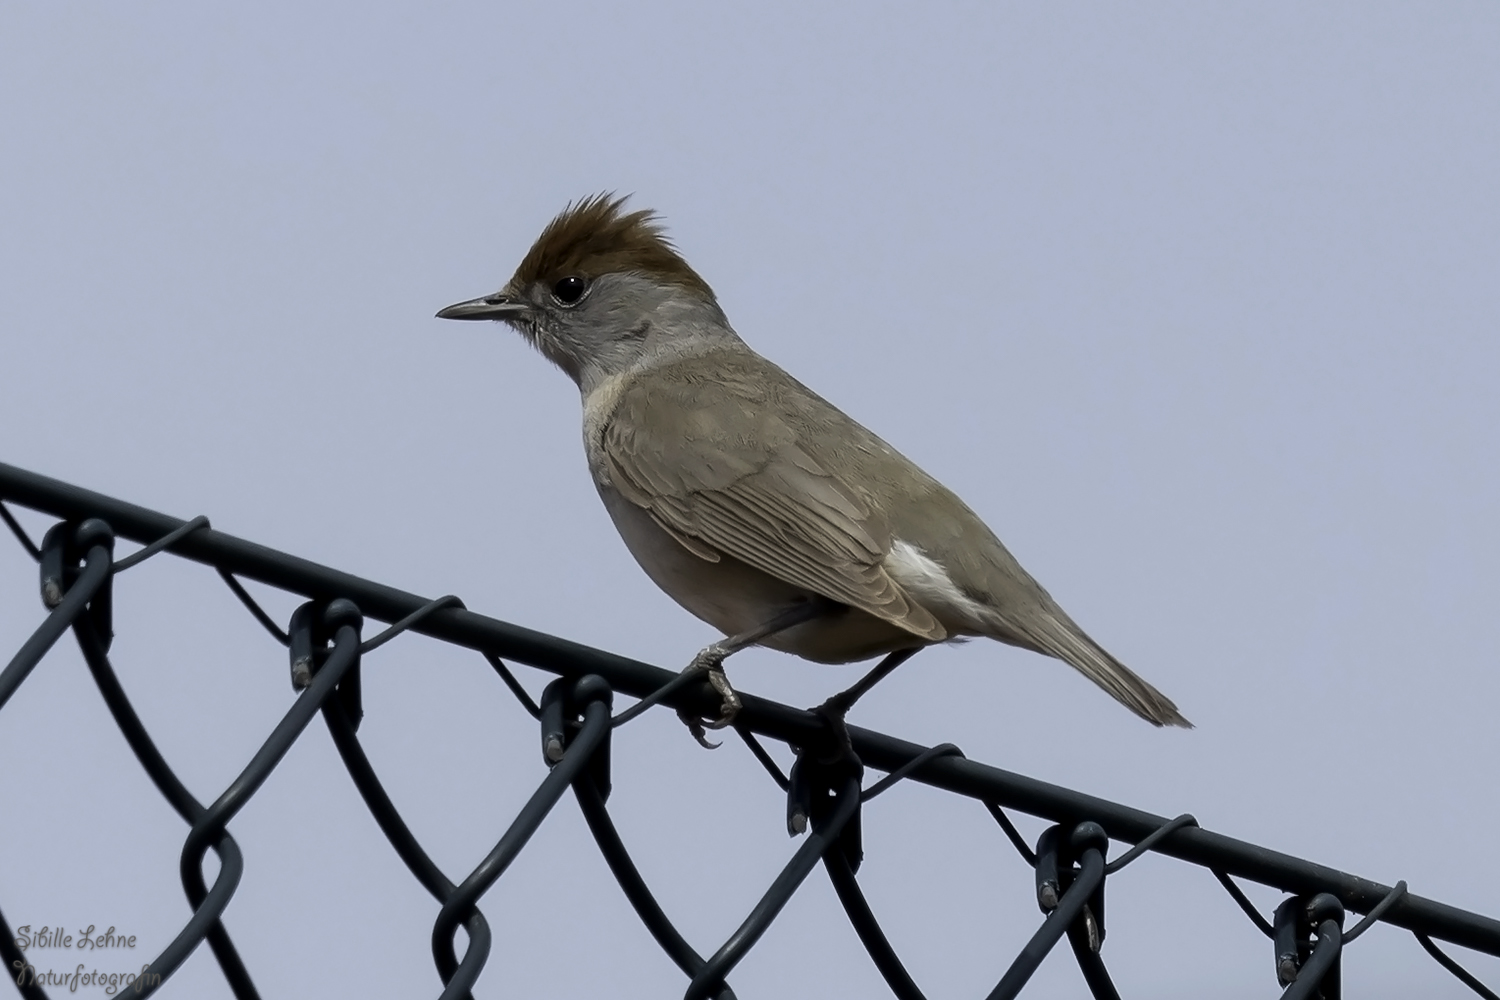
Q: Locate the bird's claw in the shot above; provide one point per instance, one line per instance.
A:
(833, 712)
(696, 727)
(730, 706)
(709, 661)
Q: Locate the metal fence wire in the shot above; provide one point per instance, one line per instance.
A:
(326, 641)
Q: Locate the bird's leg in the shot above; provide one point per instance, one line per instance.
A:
(710, 660)
(837, 707)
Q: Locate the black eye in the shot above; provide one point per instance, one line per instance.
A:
(570, 289)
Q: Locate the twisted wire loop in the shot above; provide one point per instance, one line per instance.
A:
(582, 746)
(208, 829)
(67, 605)
(591, 788)
(1081, 900)
(1309, 939)
(824, 798)
(834, 794)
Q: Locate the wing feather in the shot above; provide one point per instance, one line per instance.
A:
(722, 471)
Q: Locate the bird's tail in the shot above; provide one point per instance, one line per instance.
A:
(1054, 633)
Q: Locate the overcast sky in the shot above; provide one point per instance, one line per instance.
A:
(1195, 304)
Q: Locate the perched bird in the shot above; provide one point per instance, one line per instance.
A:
(753, 502)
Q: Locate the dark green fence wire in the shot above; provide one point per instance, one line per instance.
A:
(825, 791)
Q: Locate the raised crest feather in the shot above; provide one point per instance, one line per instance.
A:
(596, 236)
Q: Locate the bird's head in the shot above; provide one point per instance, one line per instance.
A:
(601, 289)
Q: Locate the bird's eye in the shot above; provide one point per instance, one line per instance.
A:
(569, 290)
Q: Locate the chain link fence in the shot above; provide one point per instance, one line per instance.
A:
(825, 790)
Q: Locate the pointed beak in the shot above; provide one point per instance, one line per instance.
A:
(497, 306)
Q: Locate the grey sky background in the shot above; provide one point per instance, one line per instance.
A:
(1195, 304)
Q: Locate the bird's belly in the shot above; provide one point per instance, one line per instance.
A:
(734, 597)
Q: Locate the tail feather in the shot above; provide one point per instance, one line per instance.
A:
(1057, 635)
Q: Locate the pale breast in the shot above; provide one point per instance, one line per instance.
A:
(734, 597)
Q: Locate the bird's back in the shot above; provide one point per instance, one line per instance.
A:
(731, 454)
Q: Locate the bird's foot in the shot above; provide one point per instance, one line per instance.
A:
(710, 661)
(836, 708)
(833, 712)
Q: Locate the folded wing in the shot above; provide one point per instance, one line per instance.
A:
(725, 463)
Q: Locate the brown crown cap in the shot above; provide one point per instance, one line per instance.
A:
(595, 236)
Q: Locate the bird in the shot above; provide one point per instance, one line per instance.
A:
(757, 505)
